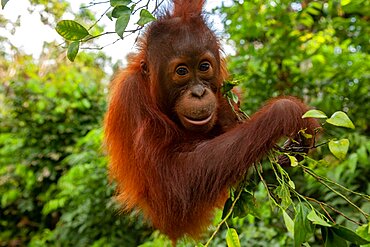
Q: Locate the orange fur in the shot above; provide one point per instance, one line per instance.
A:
(174, 176)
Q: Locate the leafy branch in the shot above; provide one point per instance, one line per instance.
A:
(119, 11)
(306, 215)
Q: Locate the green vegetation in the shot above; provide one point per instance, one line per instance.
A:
(54, 189)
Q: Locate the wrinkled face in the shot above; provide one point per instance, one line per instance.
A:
(194, 78)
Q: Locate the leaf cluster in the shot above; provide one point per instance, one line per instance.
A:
(119, 11)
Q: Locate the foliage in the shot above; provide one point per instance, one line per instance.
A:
(45, 110)
(317, 50)
(84, 201)
(54, 189)
(120, 11)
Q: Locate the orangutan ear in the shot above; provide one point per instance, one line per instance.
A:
(144, 68)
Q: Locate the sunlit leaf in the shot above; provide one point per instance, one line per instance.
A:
(314, 114)
(304, 134)
(317, 220)
(364, 231)
(71, 30)
(288, 222)
(9, 196)
(3, 3)
(73, 50)
(339, 148)
(145, 17)
(115, 3)
(314, 9)
(121, 24)
(232, 238)
(341, 119)
(293, 160)
(86, 103)
(119, 11)
(345, 2)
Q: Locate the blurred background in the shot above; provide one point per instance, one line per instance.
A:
(54, 189)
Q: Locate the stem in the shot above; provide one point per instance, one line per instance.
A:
(366, 197)
(91, 4)
(323, 181)
(266, 186)
(322, 204)
(225, 219)
(106, 11)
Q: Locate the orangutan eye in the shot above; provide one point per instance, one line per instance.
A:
(204, 66)
(182, 71)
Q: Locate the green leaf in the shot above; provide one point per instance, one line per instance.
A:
(73, 50)
(227, 208)
(303, 228)
(339, 148)
(314, 218)
(232, 238)
(115, 3)
(304, 134)
(9, 197)
(244, 205)
(314, 114)
(119, 11)
(364, 231)
(71, 30)
(145, 17)
(345, 2)
(349, 235)
(3, 3)
(86, 103)
(341, 119)
(291, 184)
(121, 24)
(283, 193)
(331, 239)
(293, 160)
(233, 96)
(288, 222)
(109, 15)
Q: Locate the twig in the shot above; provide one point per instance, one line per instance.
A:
(146, 6)
(225, 219)
(265, 184)
(91, 4)
(323, 181)
(366, 197)
(322, 204)
(106, 11)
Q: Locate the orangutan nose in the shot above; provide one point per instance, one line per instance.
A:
(198, 91)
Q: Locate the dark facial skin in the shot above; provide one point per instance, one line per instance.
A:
(194, 77)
